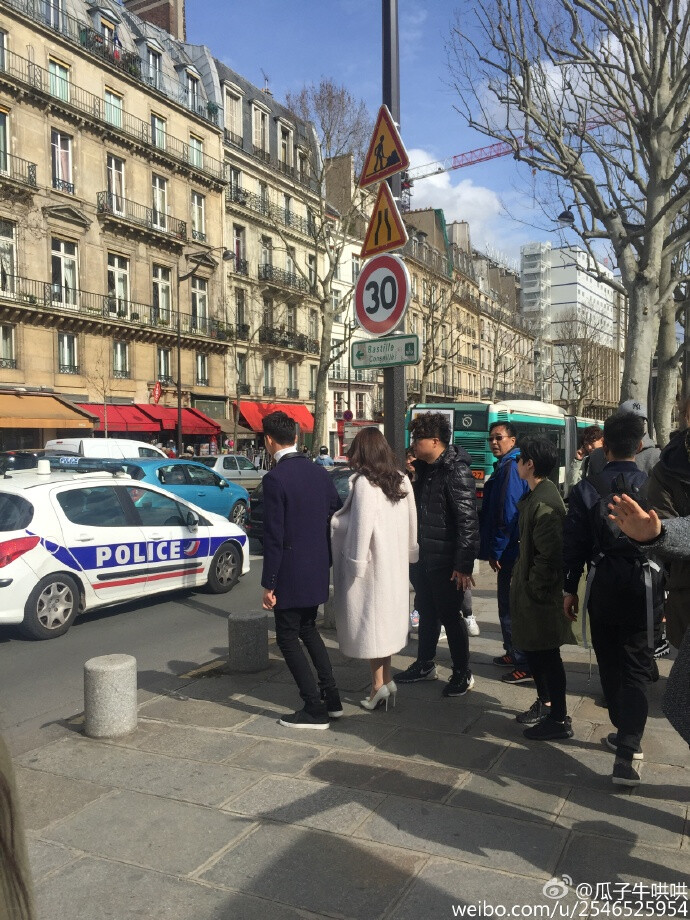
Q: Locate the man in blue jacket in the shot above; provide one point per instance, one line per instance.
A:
(299, 500)
(499, 538)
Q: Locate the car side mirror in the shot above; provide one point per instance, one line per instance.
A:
(192, 520)
(223, 484)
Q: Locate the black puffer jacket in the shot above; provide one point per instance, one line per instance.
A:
(447, 512)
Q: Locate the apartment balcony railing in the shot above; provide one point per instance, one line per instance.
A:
(8, 364)
(241, 266)
(284, 338)
(364, 376)
(199, 236)
(312, 394)
(82, 34)
(337, 372)
(74, 98)
(244, 389)
(120, 373)
(134, 213)
(61, 185)
(261, 205)
(68, 368)
(232, 138)
(202, 381)
(281, 277)
(286, 169)
(166, 379)
(261, 154)
(269, 391)
(292, 393)
(242, 331)
(16, 168)
(467, 362)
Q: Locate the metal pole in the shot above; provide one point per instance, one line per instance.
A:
(179, 369)
(348, 339)
(394, 387)
(686, 343)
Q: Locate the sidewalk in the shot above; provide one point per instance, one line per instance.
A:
(211, 810)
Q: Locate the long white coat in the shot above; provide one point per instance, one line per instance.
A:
(373, 540)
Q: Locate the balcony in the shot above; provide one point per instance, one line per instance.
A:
(281, 278)
(262, 205)
(60, 185)
(467, 362)
(292, 393)
(269, 391)
(199, 236)
(288, 339)
(261, 154)
(337, 372)
(158, 224)
(286, 169)
(16, 171)
(232, 138)
(165, 379)
(68, 369)
(202, 381)
(8, 364)
(312, 394)
(242, 267)
(244, 389)
(122, 373)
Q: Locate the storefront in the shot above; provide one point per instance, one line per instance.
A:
(251, 415)
(144, 421)
(28, 420)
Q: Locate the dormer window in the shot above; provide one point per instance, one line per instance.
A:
(193, 96)
(109, 33)
(154, 61)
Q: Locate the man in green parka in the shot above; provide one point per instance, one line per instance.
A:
(536, 601)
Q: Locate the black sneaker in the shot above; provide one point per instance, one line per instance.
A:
(517, 676)
(304, 719)
(504, 661)
(611, 742)
(534, 714)
(331, 698)
(549, 729)
(418, 670)
(624, 774)
(459, 684)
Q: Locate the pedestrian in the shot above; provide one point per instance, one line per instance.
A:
(374, 538)
(646, 457)
(624, 593)
(410, 464)
(448, 538)
(16, 902)
(498, 529)
(299, 500)
(324, 459)
(592, 438)
(536, 598)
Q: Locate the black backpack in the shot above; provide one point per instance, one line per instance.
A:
(609, 539)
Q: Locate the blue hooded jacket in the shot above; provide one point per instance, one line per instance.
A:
(498, 522)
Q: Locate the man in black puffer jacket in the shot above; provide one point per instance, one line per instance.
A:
(448, 537)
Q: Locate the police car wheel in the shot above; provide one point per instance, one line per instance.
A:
(225, 569)
(51, 608)
(238, 513)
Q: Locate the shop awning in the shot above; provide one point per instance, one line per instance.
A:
(193, 420)
(227, 426)
(19, 410)
(254, 413)
(165, 416)
(122, 418)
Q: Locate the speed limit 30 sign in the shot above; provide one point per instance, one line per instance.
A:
(382, 294)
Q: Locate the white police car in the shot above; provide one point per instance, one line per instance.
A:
(74, 541)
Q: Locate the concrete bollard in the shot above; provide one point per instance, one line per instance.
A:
(329, 611)
(110, 696)
(248, 641)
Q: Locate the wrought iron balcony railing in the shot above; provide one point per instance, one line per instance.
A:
(292, 393)
(199, 236)
(282, 338)
(166, 379)
(269, 391)
(244, 389)
(261, 205)
(68, 368)
(202, 381)
(241, 266)
(232, 138)
(15, 168)
(281, 277)
(122, 373)
(151, 218)
(61, 185)
(8, 364)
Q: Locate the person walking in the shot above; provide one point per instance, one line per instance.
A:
(324, 459)
(498, 530)
(448, 537)
(536, 601)
(374, 540)
(299, 500)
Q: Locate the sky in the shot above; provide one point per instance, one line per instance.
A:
(294, 42)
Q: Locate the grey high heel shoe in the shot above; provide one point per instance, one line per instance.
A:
(381, 696)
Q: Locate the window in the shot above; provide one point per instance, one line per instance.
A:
(268, 312)
(64, 272)
(235, 181)
(159, 131)
(263, 196)
(287, 207)
(337, 367)
(8, 359)
(198, 217)
(302, 166)
(97, 506)
(260, 131)
(238, 245)
(161, 293)
(292, 380)
(359, 405)
(313, 374)
(290, 267)
(196, 151)
(311, 270)
(109, 33)
(233, 116)
(200, 304)
(266, 250)
(54, 11)
(292, 318)
(335, 305)
(3, 48)
(113, 108)
(193, 100)
(118, 284)
(120, 359)
(202, 370)
(8, 255)
(67, 353)
(61, 161)
(313, 324)
(4, 138)
(356, 268)
(158, 510)
(115, 170)
(285, 147)
(338, 404)
(155, 67)
(159, 192)
(240, 306)
(242, 369)
(202, 477)
(164, 363)
(336, 271)
(269, 389)
(59, 80)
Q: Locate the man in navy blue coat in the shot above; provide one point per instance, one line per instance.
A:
(299, 500)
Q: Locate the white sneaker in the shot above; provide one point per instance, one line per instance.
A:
(414, 620)
(472, 625)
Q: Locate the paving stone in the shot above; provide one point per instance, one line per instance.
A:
(185, 741)
(661, 781)
(450, 716)
(349, 677)
(502, 727)
(46, 797)
(354, 733)
(150, 831)
(565, 761)
(491, 793)
(491, 840)
(657, 823)
(46, 857)
(302, 801)
(343, 874)
(200, 713)
(191, 781)
(458, 751)
(276, 757)
(594, 859)
(392, 775)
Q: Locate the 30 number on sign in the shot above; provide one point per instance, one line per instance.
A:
(382, 293)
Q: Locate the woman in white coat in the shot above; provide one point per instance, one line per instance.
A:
(374, 539)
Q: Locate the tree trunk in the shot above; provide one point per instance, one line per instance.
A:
(423, 389)
(643, 319)
(667, 375)
(320, 401)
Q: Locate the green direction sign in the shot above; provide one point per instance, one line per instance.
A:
(386, 351)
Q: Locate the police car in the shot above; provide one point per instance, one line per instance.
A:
(81, 534)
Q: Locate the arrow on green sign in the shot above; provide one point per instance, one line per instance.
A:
(359, 354)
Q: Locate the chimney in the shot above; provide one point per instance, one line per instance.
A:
(167, 14)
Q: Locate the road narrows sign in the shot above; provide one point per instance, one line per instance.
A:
(386, 229)
(382, 294)
(386, 155)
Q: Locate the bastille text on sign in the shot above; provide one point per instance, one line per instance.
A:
(386, 230)
(382, 294)
(386, 155)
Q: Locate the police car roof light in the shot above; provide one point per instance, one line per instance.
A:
(86, 464)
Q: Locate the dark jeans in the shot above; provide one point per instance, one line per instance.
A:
(625, 669)
(467, 603)
(439, 603)
(549, 676)
(503, 596)
(293, 624)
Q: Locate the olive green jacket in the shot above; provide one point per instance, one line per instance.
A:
(536, 588)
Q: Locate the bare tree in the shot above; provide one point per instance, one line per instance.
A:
(594, 93)
(583, 364)
(441, 343)
(506, 363)
(97, 372)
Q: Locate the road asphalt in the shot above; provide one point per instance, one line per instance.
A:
(437, 808)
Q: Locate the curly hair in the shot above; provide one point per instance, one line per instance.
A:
(431, 425)
(371, 455)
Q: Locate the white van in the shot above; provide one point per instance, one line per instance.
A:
(117, 448)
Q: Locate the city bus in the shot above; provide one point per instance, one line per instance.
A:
(471, 421)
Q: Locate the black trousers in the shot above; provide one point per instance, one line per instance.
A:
(293, 624)
(625, 670)
(549, 676)
(439, 603)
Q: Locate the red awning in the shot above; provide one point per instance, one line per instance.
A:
(193, 420)
(254, 412)
(165, 417)
(121, 418)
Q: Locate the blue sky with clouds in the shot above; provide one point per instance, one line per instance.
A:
(300, 41)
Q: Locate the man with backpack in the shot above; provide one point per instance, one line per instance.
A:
(624, 593)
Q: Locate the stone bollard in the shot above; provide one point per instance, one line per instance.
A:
(248, 641)
(110, 696)
(329, 611)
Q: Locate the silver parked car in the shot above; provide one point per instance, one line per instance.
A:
(236, 468)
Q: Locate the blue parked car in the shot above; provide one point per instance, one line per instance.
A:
(195, 483)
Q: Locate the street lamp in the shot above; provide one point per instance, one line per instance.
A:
(196, 258)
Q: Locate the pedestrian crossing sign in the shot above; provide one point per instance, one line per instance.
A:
(386, 155)
(386, 230)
